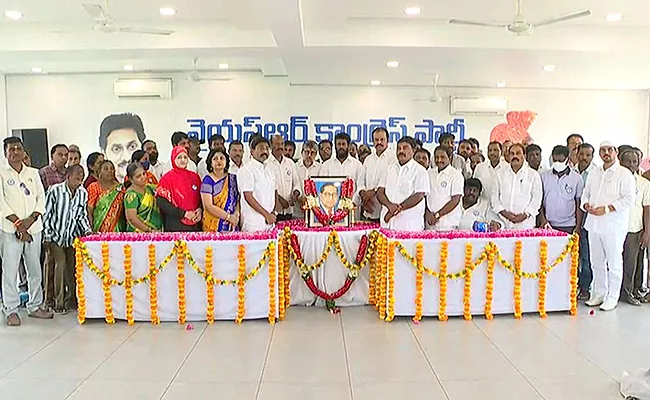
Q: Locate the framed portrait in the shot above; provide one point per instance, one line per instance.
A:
(329, 201)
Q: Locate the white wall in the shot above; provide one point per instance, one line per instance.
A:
(71, 107)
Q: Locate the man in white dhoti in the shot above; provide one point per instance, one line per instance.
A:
(517, 192)
(402, 192)
(375, 168)
(443, 210)
(609, 193)
(476, 208)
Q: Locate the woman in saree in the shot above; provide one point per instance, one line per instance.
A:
(141, 157)
(178, 197)
(106, 201)
(219, 195)
(93, 162)
(141, 210)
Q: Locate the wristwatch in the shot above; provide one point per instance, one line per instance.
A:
(437, 215)
(607, 210)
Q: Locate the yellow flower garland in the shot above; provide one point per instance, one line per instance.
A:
(467, 290)
(81, 294)
(272, 279)
(241, 291)
(209, 283)
(444, 252)
(128, 284)
(281, 304)
(383, 261)
(419, 280)
(287, 277)
(541, 296)
(372, 282)
(489, 285)
(517, 285)
(182, 305)
(390, 312)
(575, 258)
(153, 286)
(108, 299)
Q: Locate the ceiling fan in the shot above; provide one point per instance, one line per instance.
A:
(104, 22)
(435, 96)
(519, 26)
(195, 76)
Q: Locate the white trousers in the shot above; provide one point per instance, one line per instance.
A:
(606, 255)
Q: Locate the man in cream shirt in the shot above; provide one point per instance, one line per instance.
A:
(517, 192)
(345, 165)
(607, 198)
(376, 166)
(307, 167)
(486, 170)
(403, 189)
(258, 189)
(443, 211)
(476, 208)
(286, 178)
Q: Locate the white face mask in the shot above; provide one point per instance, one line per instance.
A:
(559, 166)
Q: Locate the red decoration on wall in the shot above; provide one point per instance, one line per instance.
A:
(516, 129)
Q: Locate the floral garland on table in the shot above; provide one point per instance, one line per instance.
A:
(106, 285)
(209, 286)
(364, 254)
(419, 280)
(517, 275)
(182, 302)
(128, 284)
(81, 294)
(390, 310)
(272, 271)
(489, 283)
(241, 288)
(575, 257)
(153, 286)
(442, 280)
(541, 296)
(344, 207)
(281, 281)
(382, 261)
(467, 289)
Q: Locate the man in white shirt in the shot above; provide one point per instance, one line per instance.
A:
(306, 168)
(607, 198)
(584, 166)
(476, 208)
(22, 205)
(517, 192)
(181, 139)
(286, 178)
(403, 189)
(216, 141)
(376, 167)
(457, 161)
(486, 171)
(258, 189)
(443, 211)
(638, 236)
(236, 154)
(345, 165)
(325, 150)
(150, 147)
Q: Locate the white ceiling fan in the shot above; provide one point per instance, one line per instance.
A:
(519, 26)
(104, 22)
(435, 96)
(195, 76)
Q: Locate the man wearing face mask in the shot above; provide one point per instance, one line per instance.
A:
(562, 188)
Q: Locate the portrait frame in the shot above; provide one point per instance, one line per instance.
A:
(324, 208)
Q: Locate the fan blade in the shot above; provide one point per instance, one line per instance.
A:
(563, 18)
(145, 31)
(96, 12)
(476, 23)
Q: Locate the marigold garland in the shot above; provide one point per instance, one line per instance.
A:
(272, 279)
(128, 283)
(81, 294)
(287, 276)
(390, 312)
(108, 299)
(517, 285)
(442, 280)
(419, 280)
(241, 291)
(281, 284)
(489, 285)
(182, 304)
(382, 270)
(575, 257)
(153, 286)
(209, 285)
(541, 296)
(467, 290)
(372, 282)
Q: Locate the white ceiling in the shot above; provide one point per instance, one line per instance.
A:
(341, 42)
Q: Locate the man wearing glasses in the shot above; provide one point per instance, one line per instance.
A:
(22, 203)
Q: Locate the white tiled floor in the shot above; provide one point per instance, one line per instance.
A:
(315, 355)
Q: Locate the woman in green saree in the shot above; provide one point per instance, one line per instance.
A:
(106, 201)
(142, 214)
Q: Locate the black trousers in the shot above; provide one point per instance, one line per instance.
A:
(632, 264)
(284, 217)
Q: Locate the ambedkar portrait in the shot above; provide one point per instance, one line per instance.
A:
(328, 191)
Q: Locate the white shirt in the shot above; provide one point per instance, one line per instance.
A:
(157, 170)
(459, 162)
(191, 166)
(400, 183)
(481, 211)
(234, 168)
(257, 178)
(202, 169)
(517, 193)
(305, 173)
(351, 168)
(21, 195)
(642, 200)
(485, 173)
(286, 178)
(444, 185)
(614, 186)
(376, 168)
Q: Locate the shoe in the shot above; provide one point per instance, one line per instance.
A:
(584, 294)
(629, 299)
(41, 314)
(60, 311)
(608, 305)
(13, 320)
(594, 301)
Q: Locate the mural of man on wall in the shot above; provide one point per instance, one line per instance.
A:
(119, 136)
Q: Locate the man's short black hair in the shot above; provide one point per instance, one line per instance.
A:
(446, 136)
(193, 139)
(148, 141)
(72, 169)
(530, 148)
(423, 150)
(120, 121)
(322, 142)
(215, 138)
(56, 147)
(379, 129)
(497, 143)
(342, 136)
(178, 137)
(235, 143)
(137, 155)
(576, 135)
(446, 149)
(74, 151)
(409, 140)
(12, 140)
(586, 146)
(623, 148)
(467, 141)
(521, 146)
(290, 143)
(258, 140)
(475, 142)
(92, 159)
(211, 154)
(560, 151)
(473, 183)
(419, 143)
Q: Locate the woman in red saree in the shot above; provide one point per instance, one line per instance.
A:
(178, 195)
(106, 201)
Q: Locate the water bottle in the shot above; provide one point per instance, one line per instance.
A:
(24, 297)
(479, 226)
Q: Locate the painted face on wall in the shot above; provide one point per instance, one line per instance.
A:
(120, 145)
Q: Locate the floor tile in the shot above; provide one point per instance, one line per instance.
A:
(576, 388)
(205, 390)
(515, 389)
(397, 390)
(30, 389)
(96, 389)
(293, 391)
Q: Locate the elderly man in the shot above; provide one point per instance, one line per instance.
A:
(306, 168)
(486, 171)
(375, 169)
(607, 198)
(345, 165)
(286, 177)
(517, 192)
(443, 210)
(402, 192)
